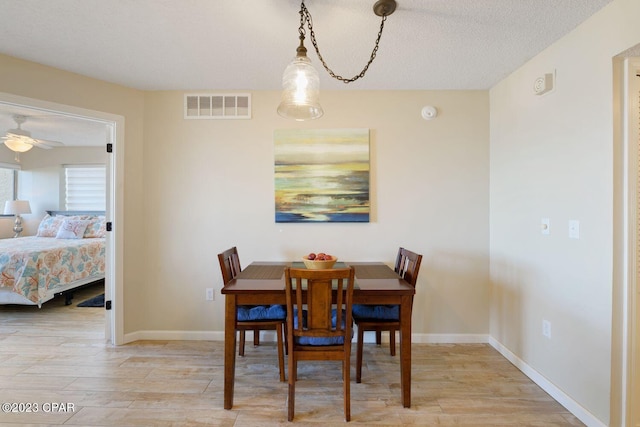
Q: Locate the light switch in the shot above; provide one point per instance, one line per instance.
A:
(574, 229)
(545, 226)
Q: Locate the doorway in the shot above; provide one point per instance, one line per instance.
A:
(114, 135)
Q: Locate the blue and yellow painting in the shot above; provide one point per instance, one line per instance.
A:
(322, 175)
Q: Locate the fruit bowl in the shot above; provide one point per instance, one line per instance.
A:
(319, 264)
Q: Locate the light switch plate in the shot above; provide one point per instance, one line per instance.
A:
(574, 229)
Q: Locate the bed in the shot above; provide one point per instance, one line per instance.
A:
(67, 252)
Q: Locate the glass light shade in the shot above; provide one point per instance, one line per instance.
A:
(17, 145)
(301, 91)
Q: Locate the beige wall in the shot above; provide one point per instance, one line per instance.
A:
(193, 188)
(552, 156)
(209, 185)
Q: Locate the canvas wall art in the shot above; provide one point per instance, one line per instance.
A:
(322, 175)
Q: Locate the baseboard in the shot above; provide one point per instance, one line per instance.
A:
(269, 336)
(449, 338)
(175, 336)
(571, 405)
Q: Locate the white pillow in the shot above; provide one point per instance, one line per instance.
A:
(72, 229)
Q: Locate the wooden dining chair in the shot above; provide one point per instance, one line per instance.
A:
(254, 318)
(379, 318)
(321, 331)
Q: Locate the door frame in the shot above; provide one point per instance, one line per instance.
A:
(630, 244)
(114, 318)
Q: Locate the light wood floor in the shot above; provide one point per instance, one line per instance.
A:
(57, 354)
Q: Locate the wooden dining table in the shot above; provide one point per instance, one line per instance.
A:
(263, 283)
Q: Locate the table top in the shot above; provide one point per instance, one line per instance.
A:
(268, 277)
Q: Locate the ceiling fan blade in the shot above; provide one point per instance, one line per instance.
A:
(46, 144)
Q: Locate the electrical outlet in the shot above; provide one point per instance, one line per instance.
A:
(210, 295)
(545, 226)
(546, 328)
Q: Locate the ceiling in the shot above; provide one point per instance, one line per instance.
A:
(246, 44)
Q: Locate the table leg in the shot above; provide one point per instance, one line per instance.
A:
(405, 350)
(229, 349)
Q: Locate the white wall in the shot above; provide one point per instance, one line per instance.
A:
(552, 156)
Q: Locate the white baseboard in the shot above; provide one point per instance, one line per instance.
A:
(448, 338)
(175, 336)
(269, 336)
(571, 405)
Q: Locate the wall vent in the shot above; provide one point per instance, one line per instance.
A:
(217, 106)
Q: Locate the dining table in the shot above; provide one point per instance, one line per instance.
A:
(262, 282)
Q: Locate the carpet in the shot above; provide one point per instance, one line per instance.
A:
(97, 301)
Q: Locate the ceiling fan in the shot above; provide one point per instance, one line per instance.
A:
(20, 140)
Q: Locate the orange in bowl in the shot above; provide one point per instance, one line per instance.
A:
(319, 264)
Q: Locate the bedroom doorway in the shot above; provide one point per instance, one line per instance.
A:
(113, 126)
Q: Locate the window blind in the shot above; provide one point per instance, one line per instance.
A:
(85, 187)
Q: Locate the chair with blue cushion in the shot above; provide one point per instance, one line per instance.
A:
(318, 329)
(379, 318)
(254, 318)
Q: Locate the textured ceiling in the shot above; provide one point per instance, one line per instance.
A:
(246, 44)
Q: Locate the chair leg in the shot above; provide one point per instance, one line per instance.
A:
(392, 341)
(256, 337)
(346, 389)
(292, 388)
(378, 337)
(280, 351)
(359, 355)
(286, 340)
(241, 345)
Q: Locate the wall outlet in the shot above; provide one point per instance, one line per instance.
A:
(546, 328)
(210, 295)
(545, 226)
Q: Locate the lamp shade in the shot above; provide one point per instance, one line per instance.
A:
(17, 207)
(17, 145)
(301, 91)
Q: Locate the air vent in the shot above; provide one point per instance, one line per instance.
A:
(217, 106)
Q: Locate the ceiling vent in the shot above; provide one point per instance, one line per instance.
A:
(217, 106)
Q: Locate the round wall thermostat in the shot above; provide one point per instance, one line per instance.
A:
(429, 112)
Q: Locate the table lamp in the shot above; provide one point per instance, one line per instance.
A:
(17, 207)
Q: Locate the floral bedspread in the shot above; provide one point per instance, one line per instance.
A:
(36, 266)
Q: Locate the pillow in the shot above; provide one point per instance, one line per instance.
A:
(97, 227)
(72, 229)
(49, 226)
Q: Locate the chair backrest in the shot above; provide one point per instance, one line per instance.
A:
(408, 265)
(229, 264)
(320, 286)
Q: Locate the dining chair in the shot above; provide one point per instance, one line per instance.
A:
(322, 330)
(382, 318)
(254, 318)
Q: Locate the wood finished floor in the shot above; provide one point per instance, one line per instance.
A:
(57, 354)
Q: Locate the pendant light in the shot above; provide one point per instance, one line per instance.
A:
(300, 81)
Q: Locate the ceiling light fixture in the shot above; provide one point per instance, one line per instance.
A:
(16, 144)
(19, 140)
(300, 81)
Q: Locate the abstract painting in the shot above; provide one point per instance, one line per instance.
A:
(322, 175)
